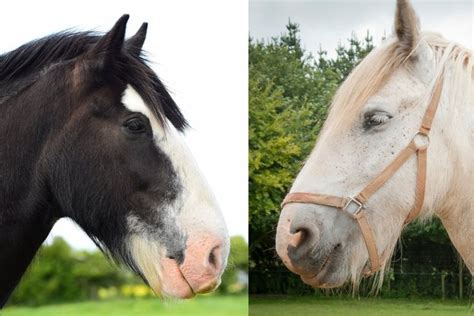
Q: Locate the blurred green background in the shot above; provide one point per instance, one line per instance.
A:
(73, 282)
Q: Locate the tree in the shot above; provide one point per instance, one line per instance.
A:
(237, 266)
(59, 274)
(288, 102)
(49, 278)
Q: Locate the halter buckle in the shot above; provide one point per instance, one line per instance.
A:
(353, 206)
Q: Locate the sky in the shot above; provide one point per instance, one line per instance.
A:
(327, 23)
(199, 50)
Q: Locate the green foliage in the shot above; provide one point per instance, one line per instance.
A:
(60, 274)
(289, 95)
(53, 273)
(290, 92)
(239, 249)
(237, 267)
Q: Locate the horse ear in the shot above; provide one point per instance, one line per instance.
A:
(134, 44)
(111, 43)
(407, 26)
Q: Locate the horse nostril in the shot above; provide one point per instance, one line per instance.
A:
(303, 240)
(299, 237)
(338, 246)
(213, 258)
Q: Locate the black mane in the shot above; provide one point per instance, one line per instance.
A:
(31, 58)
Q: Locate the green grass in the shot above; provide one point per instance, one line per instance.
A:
(302, 306)
(204, 305)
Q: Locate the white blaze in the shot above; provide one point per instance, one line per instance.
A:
(198, 212)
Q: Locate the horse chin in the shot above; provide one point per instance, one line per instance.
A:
(330, 275)
(324, 280)
(173, 284)
(162, 274)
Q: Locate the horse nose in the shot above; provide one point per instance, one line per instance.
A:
(304, 238)
(298, 238)
(204, 263)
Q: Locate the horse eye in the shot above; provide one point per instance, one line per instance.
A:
(135, 125)
(376, 118)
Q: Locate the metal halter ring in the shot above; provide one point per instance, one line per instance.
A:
(358, 206)
(421, 140)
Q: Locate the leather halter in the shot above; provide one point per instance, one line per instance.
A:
(355, 206)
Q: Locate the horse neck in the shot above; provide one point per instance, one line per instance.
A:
(19, 242)
(457, 209)
(459, 223)
(27, 210)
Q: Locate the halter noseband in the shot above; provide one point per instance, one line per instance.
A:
(355, 206)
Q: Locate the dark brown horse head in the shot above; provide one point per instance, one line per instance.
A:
(96, 137)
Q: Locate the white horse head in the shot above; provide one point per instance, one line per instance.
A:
(375, 114)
